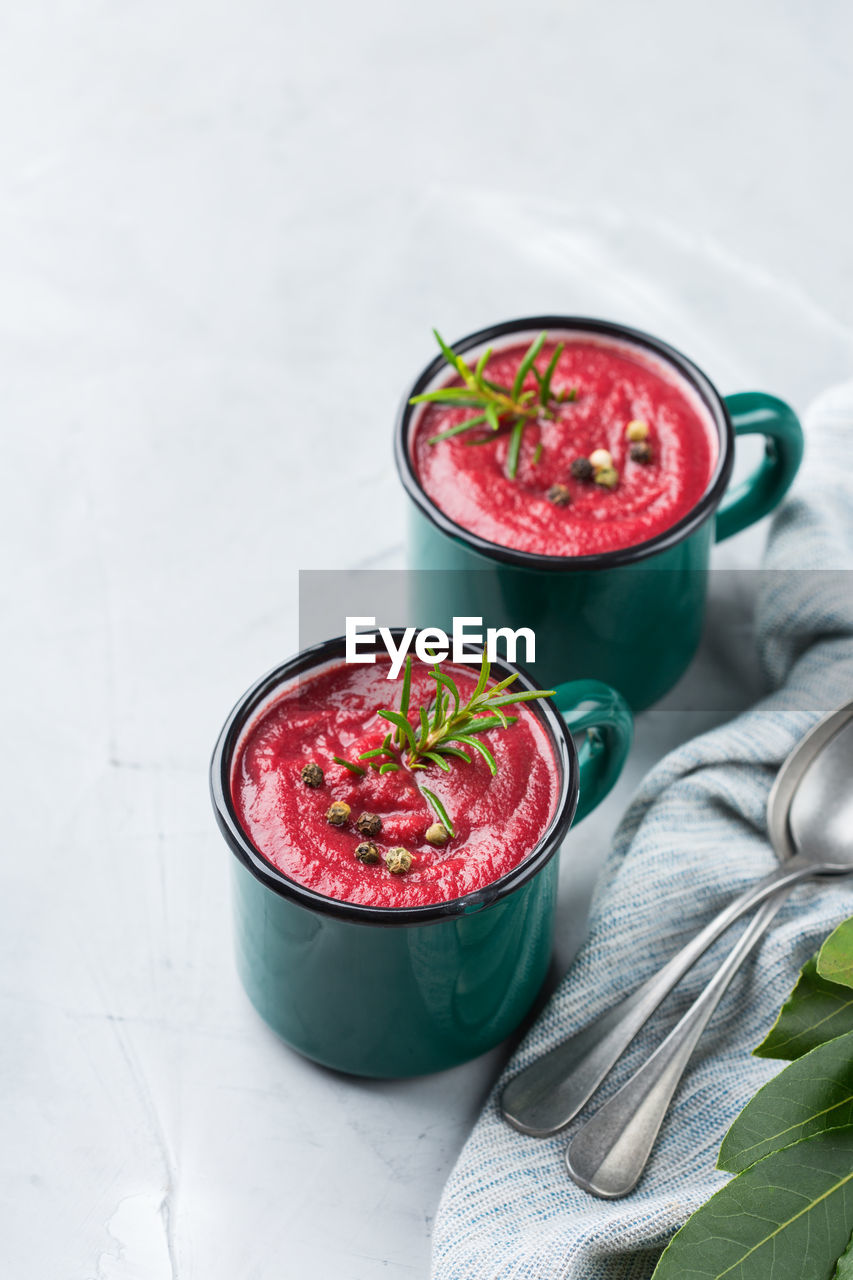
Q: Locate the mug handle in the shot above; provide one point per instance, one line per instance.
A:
(755, 412)
(594, 709)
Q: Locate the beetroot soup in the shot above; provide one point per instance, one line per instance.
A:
(362, 837)
(623, 450)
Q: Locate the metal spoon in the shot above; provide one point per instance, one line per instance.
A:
(547, 1095)
(609, 1153)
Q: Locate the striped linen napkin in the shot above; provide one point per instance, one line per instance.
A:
(693, 837)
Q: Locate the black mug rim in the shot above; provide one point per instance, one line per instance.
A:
(698, 514)
(263, 870)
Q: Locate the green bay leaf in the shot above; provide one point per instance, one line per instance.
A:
(835, 958)
(788, 1217)
(809, 1096)
(815, 1011)
(844, 1270)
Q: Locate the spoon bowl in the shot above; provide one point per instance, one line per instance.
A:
(820, 819)
(792, 773)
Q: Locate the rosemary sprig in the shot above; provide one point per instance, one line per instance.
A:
(498, 407)
(439, 810)
(444, 730)
(353, 768)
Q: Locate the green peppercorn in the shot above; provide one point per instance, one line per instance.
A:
(636, 430)
(437, 834)
(641, 452)
(608, 477)
(367, 851)
(311, 774)
(369, 824)
(582, 469)
(559, 495)
(398, 860)
(338, 813)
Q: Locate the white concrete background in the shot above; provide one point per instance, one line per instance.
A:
(225, 231)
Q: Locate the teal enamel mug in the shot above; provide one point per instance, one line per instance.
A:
(630, 617)
(382, 991)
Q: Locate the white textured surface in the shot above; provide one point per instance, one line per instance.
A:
(224, 233)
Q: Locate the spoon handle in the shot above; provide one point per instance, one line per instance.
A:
(609, 1153)
(547, 1095)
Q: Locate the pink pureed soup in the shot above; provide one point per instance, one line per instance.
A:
(547, 508)
(497, 820)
